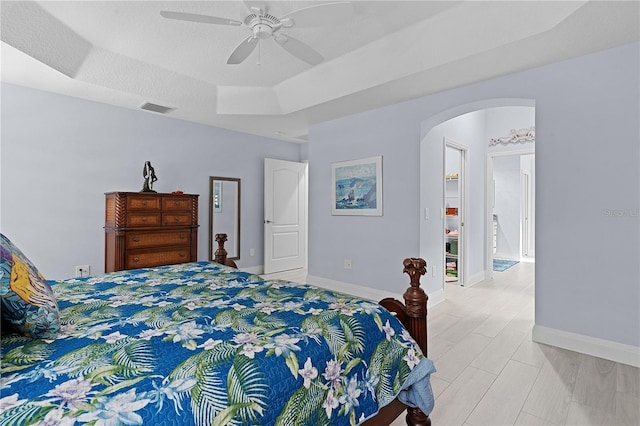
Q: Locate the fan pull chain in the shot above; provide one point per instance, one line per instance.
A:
(258, 52)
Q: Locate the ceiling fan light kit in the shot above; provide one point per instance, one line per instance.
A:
(264, 25)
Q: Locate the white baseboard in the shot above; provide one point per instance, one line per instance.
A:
(253, 269)
(474, 279)
(435, 298)
(614, 351)
(368, 293)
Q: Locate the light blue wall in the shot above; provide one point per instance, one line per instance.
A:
(376, 245)
(61, 154)
(587, 190)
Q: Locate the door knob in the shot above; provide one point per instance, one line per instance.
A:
(268, 221)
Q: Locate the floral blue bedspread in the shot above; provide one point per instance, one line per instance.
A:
(203, 344)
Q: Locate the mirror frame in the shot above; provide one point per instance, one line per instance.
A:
(212, 237)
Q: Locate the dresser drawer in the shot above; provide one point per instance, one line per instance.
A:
(143, 219)
(178, 218)
(157, 258)
(137, 240)
(176, 203)
(143, 203)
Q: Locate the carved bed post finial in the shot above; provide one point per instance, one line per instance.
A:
(415, 300)
(221, 253)
(415, 267)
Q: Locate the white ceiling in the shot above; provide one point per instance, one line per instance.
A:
(124, 53)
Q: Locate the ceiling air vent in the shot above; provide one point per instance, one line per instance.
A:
(156, 108)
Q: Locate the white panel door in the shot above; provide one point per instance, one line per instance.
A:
(285, 201)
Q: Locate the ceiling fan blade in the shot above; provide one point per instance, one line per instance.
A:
(205, 19)
(322, 14)
(243, 50)
(299, 49)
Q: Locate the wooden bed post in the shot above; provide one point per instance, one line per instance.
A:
(415, 301)
(221, 253)
(413, 314)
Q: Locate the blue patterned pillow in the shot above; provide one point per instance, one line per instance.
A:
(28, 303)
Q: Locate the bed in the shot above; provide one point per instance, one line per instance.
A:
(203, 343)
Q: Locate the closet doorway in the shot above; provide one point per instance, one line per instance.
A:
(454, 211)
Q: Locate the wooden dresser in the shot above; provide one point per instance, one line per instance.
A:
(146, 229)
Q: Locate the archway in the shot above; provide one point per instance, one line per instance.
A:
(462, 123)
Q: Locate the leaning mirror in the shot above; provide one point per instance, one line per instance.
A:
(224, 215)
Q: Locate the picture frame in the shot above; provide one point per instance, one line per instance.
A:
(356, 187)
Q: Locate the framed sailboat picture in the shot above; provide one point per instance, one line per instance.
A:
(356, 187)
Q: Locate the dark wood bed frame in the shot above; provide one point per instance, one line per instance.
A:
(412, 313)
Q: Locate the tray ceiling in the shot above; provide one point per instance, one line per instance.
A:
(126, 54)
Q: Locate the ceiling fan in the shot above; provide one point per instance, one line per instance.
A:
(264, 25)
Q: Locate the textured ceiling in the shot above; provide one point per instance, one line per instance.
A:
(125, 53)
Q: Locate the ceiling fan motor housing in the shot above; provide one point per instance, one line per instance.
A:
(263, 26)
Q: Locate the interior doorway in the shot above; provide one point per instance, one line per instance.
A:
(454, 209)
(285, 210)
(511, 206)
(475, 124)
(528, 210)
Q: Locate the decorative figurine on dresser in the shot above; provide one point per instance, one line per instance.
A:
(149, 174)
(146, 229)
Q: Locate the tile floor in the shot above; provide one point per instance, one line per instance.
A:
(491, 373)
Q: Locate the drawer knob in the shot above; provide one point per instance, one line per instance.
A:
(144, 202)
(177, 219)
(144, 218)
(183, 236)
(136, 259)
(177, 203)
(182, 254)
(136, 239)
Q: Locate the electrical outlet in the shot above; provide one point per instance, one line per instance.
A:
(252, 252)
(83, 271)
(347, 264)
